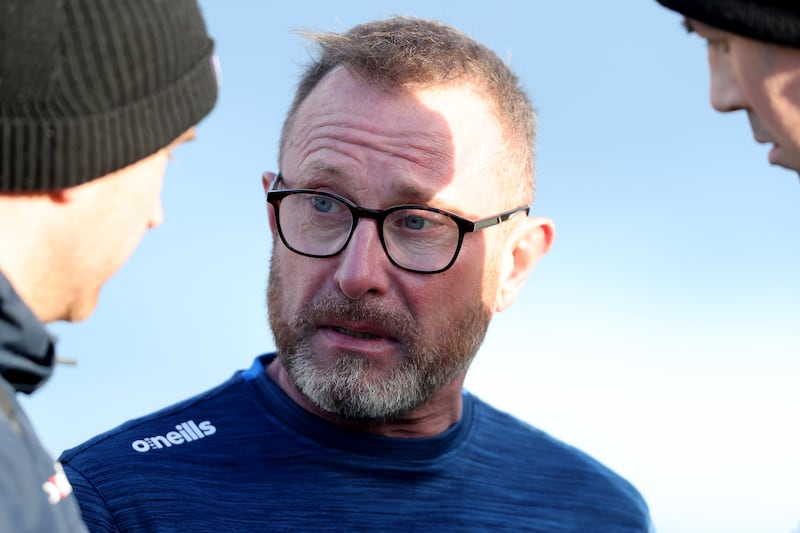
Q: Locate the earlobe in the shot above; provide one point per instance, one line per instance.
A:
(527, 244)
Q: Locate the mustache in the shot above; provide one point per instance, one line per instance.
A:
(396, 322)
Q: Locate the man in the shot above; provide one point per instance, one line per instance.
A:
(754, 59)
(93, 96)
(399, 222)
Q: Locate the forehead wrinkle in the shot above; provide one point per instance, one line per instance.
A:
(431, 151)
(425, 149)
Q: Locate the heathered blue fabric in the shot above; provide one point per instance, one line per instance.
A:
(268, 465)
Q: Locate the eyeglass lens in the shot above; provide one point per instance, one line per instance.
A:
(417, 239)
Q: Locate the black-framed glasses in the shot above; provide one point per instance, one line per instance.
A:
(416, 238)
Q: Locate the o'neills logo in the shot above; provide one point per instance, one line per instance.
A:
(185, 432)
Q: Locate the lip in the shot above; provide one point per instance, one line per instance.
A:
(774, 154)
(366, 338)
(359, 328)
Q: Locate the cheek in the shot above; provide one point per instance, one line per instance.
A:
(778, 111)
(464, 286)
(782, 105)
(765, 87)
(142, 199)
(156, 185)
(296, 279)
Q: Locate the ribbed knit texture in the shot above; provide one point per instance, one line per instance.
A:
(88, 87)
(772, 21)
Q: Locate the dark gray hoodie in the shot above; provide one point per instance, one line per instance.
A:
(35, 495)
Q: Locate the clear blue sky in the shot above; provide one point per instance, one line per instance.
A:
(660, 334)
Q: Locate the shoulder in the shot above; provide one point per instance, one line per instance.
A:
(508, 434)
(34, 493)
(181, 423)
(568, 473)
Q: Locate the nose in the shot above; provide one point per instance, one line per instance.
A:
(725, 93)
(363, 265)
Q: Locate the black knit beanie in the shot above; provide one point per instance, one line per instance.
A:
(88, 87)
(772, 21)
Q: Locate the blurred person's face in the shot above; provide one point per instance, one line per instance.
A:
(114, 212)
(762, 79)
(360, 337)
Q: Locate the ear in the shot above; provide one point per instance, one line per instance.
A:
(528, 242)
(267, 178)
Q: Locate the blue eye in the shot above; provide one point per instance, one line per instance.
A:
(322, 204)
(414, 222)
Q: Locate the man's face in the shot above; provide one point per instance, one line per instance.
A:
(114, 212)
(763, 80)
(360, 337)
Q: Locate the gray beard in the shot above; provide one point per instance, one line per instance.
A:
(352, 388)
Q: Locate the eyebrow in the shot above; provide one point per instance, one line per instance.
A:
(408, 193)
(687, 25)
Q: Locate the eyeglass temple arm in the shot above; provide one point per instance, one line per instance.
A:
(497, 219)
(274, 186)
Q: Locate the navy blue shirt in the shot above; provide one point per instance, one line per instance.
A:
(244, 457)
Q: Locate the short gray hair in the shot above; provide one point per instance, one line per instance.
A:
(413, 52)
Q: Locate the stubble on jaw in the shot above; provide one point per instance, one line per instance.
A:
(355, 388)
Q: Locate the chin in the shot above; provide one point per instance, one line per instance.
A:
(79, 316)
(82, 309)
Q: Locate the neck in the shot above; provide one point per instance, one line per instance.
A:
(439, 413)
(28, 260)
(23, 279)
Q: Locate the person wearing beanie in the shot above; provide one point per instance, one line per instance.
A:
(93, 96)
(754, 61)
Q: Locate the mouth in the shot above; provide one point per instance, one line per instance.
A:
(367, 339)
(369, 331)
(774, 155)
(357, 327)
(356, 334)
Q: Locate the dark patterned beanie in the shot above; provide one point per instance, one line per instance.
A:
(88, 87)
(772, 21)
